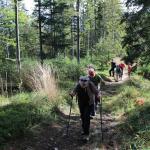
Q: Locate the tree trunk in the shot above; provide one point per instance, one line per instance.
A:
(17, 37)
(17, 44)
(78, 32)
(40, 32)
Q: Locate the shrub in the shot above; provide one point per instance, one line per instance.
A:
(145, 71)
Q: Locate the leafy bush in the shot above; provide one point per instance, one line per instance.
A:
(69, 69)
(145, 71)
(15, 119)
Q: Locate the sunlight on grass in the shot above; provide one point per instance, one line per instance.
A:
(4, 101)
(18, 114)
(132, 104)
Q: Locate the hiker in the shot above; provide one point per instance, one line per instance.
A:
(85, 91)
(122, 66)
(118, 73)
(96, 79)
(113, 66)
(129, 69)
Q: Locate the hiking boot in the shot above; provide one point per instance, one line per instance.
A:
(93, 114)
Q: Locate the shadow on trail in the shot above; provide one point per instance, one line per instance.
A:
(15, 119)
(50, 136)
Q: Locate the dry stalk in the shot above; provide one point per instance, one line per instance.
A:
(41, 79)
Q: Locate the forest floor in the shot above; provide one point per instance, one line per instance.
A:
(52, 136)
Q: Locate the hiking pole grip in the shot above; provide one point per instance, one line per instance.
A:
(69, 115)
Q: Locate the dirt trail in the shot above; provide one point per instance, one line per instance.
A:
(52, 136)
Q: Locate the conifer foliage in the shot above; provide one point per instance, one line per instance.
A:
(137, 40)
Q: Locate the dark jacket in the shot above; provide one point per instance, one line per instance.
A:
(91, 91)
(113, 65)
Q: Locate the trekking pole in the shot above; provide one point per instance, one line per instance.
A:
(101, 118)
(69, 115)
(100, 110)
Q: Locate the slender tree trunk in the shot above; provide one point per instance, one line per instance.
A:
(11, 91)
(40, 32)
(2, 87)
(91, 40)
(17, 37)
(78, 32)
(95, 35)
(88, 48)
(17, 44)
(72, 38)
(6, 84)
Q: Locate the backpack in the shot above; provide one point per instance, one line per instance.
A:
(118, 70)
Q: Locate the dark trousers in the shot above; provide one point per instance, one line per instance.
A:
(121, 71)
(111, 70)
(85, 117)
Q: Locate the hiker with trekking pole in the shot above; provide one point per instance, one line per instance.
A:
(85, 91)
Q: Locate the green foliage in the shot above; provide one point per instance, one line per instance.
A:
(68, 69)
(10, 68)
(144, 70)
(137, 28)
(15, 119)
(137, 127)
(136, 116)
(22, 112)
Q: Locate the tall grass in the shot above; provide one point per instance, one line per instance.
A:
(41, 79)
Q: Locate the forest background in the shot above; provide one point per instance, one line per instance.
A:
(65, 36)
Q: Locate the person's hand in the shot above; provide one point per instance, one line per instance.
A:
(71, 94)
(99, 95)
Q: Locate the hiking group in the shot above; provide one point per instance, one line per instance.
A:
(117, 70)
(88, 94)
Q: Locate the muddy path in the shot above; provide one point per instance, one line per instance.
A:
(52, 136)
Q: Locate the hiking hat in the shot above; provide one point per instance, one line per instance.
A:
(83, 81)
(84, 78)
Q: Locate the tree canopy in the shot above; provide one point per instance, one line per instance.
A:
(137, 39)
